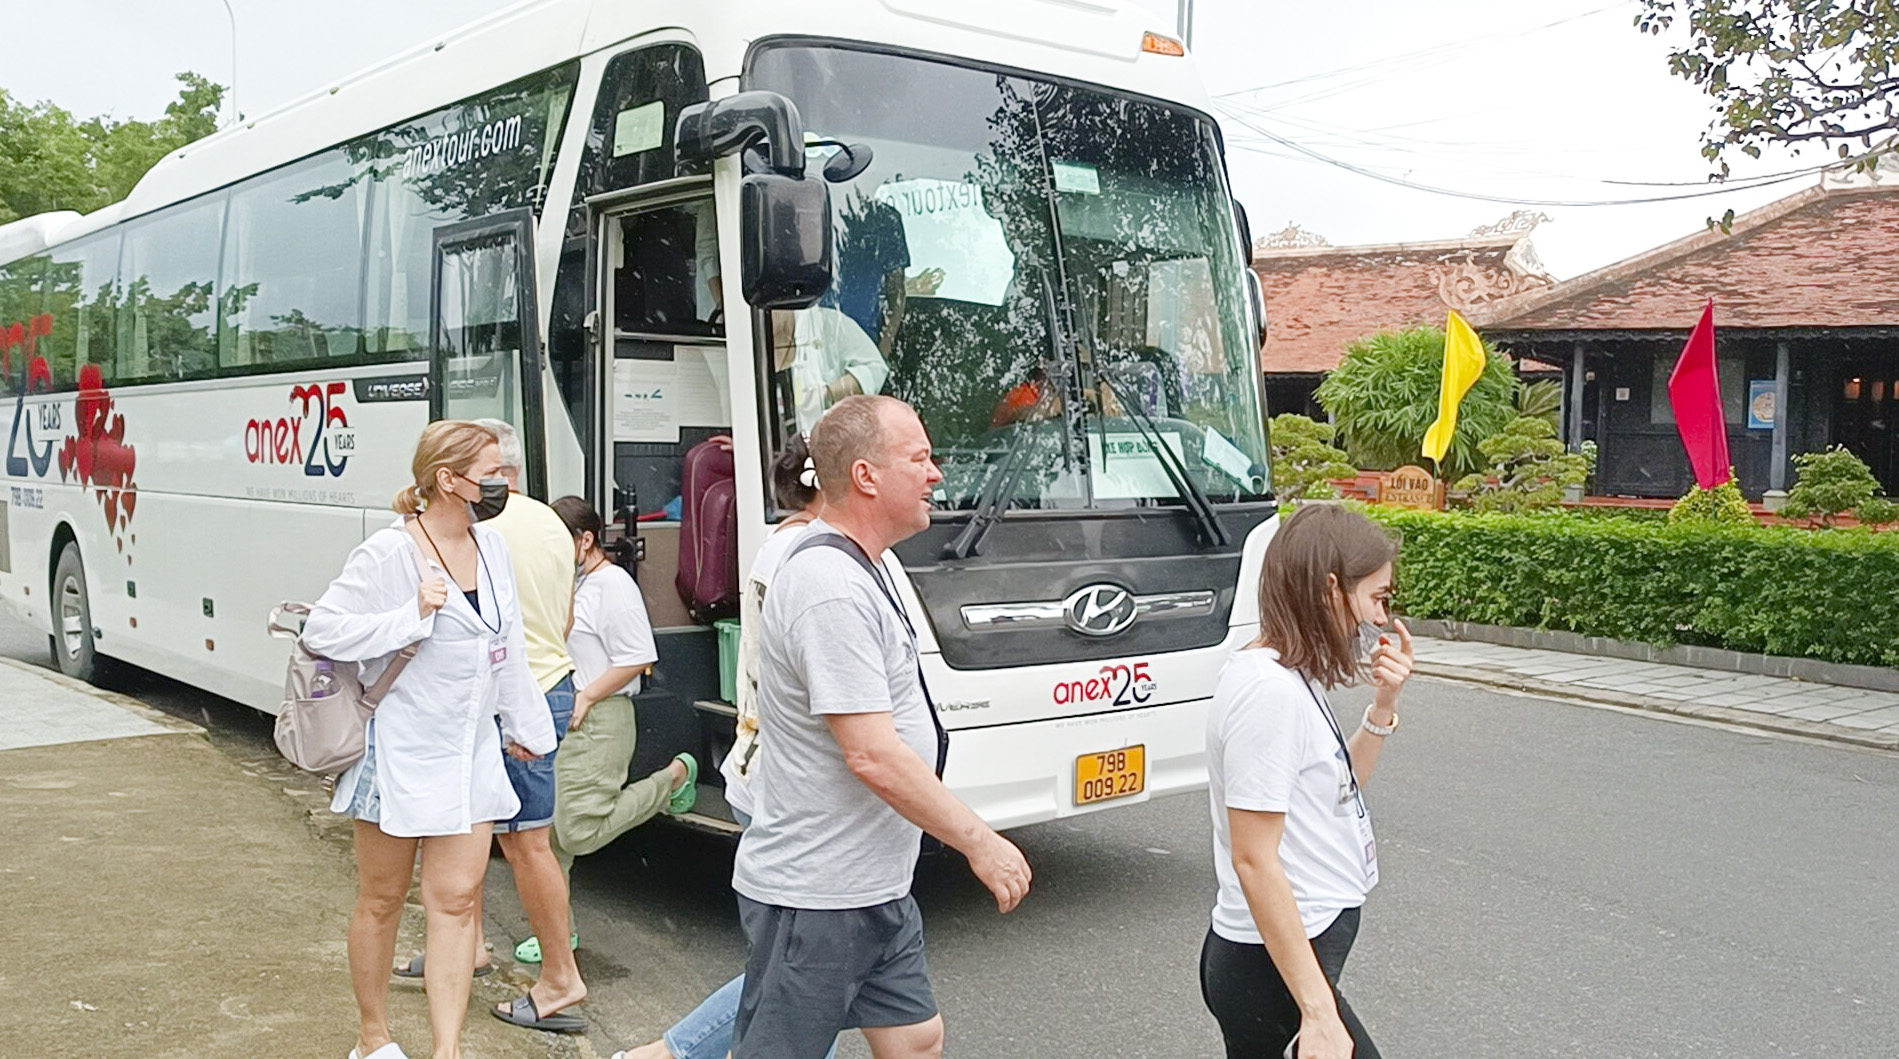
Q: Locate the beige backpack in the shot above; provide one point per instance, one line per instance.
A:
(323, 723)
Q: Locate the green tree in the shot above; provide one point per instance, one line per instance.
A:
(1831, 484)
(50, 160)
(1305, 460)
(1821, 72)
(1383, 396)
(1528, 469)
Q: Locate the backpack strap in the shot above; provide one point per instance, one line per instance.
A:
(851, 548)
(373, 694)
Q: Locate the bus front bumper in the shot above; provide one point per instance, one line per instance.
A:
(1019, 774)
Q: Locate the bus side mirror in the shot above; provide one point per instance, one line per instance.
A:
(1255, 305)
(784, 216)
(785, 234)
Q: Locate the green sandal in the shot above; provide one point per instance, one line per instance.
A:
(687, 795)
(529, 951)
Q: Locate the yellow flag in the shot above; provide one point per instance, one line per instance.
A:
(1463, 362)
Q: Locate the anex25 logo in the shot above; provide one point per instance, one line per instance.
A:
(316, 434)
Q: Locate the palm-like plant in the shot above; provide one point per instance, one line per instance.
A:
(1384, 395)
(1542, 399)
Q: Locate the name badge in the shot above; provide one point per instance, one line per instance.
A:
(497, 655)
(1370, 843)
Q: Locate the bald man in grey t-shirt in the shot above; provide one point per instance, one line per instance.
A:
(848, 776)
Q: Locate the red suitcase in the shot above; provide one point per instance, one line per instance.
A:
(708, 579)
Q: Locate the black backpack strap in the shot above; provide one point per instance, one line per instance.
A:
(851, 548)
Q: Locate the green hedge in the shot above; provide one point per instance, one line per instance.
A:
(1777, 590)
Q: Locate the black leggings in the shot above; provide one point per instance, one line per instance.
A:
(1255, 1010)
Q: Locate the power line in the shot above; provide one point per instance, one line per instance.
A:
(1349, 138)
(1510, 200)
(1434, 54)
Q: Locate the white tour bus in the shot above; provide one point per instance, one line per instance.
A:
(1013, 214)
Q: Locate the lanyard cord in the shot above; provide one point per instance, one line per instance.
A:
(481, 560)
(1351, 771)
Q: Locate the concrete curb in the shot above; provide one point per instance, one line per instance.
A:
(177, 725)
(1766, 722)
(1813, 670)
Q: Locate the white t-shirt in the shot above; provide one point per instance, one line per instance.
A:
(610, 627)
(771, 555)
(1270, 748)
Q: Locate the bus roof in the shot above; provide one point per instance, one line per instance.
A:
(1096, 41)
(30, 235)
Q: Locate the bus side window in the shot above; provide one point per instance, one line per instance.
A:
(666, 280)
(168, 276)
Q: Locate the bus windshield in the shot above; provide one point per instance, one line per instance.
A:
(1048, 273)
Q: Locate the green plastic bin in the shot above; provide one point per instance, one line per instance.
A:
(728, 658)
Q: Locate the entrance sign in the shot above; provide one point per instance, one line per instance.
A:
(1412, 487)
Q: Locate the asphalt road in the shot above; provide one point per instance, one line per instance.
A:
(1558, 881)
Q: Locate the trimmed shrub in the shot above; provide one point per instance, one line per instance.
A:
(1877, 512)
(1778, 590)
(1831, 483)
(1304, 458)
(1529, 469)
(1723, 504)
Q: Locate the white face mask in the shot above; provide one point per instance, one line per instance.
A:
(1369, 633)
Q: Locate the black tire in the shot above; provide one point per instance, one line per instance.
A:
(75, 651)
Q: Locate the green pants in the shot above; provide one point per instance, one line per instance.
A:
(593, 802)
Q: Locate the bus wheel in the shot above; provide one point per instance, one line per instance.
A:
(74, 649)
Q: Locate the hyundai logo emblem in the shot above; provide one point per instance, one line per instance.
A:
(1099, 610)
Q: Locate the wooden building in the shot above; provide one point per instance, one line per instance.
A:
(1806, 303)
(1320, 298)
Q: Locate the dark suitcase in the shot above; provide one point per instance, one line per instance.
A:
(708, 579)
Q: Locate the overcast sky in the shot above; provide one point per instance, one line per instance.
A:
(1516, 99)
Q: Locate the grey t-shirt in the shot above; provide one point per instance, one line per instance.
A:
(830, 643)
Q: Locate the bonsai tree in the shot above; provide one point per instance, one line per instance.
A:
(1527, 469)
(1833, 483)
(1383, 396)
(1304, 458)
(1723, 505)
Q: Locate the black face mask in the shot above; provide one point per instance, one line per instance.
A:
(494, 497)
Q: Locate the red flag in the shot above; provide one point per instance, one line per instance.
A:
(1695, 392)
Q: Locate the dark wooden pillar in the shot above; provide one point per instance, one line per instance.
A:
(1573, 421)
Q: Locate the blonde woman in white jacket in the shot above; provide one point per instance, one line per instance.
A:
(432, 779)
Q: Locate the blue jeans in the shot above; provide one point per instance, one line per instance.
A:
(534, 780)
(706, 1033)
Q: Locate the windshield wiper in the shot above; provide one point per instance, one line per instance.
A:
(996, 492)
(1170, 461)
(999, 488)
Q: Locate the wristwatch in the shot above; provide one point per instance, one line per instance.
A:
(1380, 730)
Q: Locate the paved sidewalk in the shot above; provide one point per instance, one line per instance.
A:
(160, 899)
(1825, 711)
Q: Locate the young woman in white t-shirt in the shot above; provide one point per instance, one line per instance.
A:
(612, 645)
(1293, 845)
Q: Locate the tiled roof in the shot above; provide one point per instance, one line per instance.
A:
(1821, 258)
(1321, 298)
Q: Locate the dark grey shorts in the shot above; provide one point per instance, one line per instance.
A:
(814, 973)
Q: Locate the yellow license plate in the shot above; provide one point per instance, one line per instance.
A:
(1110, 774)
